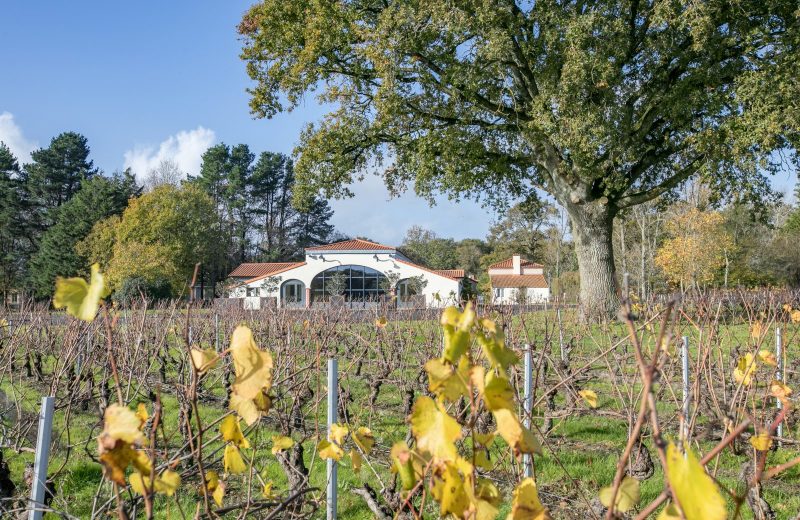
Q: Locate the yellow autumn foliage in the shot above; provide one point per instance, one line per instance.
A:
(696, 250)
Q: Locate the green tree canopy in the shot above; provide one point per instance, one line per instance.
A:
(521, 231)
(160, 237)
(604, 105)
(98, 198)
(426, 248)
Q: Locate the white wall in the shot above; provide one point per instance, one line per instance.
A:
(509, 295)
(439, 292)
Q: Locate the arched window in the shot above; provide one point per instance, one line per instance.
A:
(407, 289)
(293, 292)
(355, 282)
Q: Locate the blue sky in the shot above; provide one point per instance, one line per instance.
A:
(144, 81)
(150, 80)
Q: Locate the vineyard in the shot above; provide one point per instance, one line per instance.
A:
(182, 411)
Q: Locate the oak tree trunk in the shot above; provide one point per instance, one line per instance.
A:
(592, 225)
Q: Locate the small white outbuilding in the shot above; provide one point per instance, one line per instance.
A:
(356, 273)
(517, 281)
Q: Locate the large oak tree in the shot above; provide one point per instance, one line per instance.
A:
(603, 105)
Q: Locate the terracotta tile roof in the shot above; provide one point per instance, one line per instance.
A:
(253, 270)
(434, 271)
(532, 281)
(456, 274)
(509, 263)
(352, 245)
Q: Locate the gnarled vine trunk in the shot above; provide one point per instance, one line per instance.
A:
(592, 232)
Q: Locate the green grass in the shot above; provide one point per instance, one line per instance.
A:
(580, 456)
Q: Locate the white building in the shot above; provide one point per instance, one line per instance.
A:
(516, 274)
(357, 273)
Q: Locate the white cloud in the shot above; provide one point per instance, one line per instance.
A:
(11, 134)
(185, 149)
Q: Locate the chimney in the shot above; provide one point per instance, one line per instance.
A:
(516, 264)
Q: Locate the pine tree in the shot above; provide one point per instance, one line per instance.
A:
(312, 227)
(225, 175)
(13, 244)
(273, 179)
(97, 198)
(56, 172)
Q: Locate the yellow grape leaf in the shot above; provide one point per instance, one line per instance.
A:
(166, 483)
(444, 380)
(767, 357)
(756, 329)
(116, 460)
(787, 307)
(456, 326)
(262, 401)
(492, 342)
(212, 480)
(434, 430)
(281, 443)
(762, 441)
(795, 316)
(743, 373)
(204, 359)
(338, 433)
(232, 460)
(477, 378)
(486, 490)
(497, 392)
(627, 495)
(484, 439)
(449, 490)
(779, 389)
(482, 459)
(231, 431)
(355, 458)
(141, 413)
(525, 504)
(80, 298)
(485, 510)
(214, 486)
(219, 493)
(253, 367)
(695, 491)
(381, 322)
(402, 464)
(670, 513)
(364, 439)
(141, 462)
(266, 491)
(246, 408)
(520, 438)
(121, 423)
(486, 500)
(589, 396)
(329, 450)
(138, 482)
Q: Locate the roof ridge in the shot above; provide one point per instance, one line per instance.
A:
(351, 240)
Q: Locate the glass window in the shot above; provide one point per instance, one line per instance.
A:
(293, 292)
(355, 283)
(252, 291)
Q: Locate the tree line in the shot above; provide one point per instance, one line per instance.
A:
(688, 242)
(59, 214)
